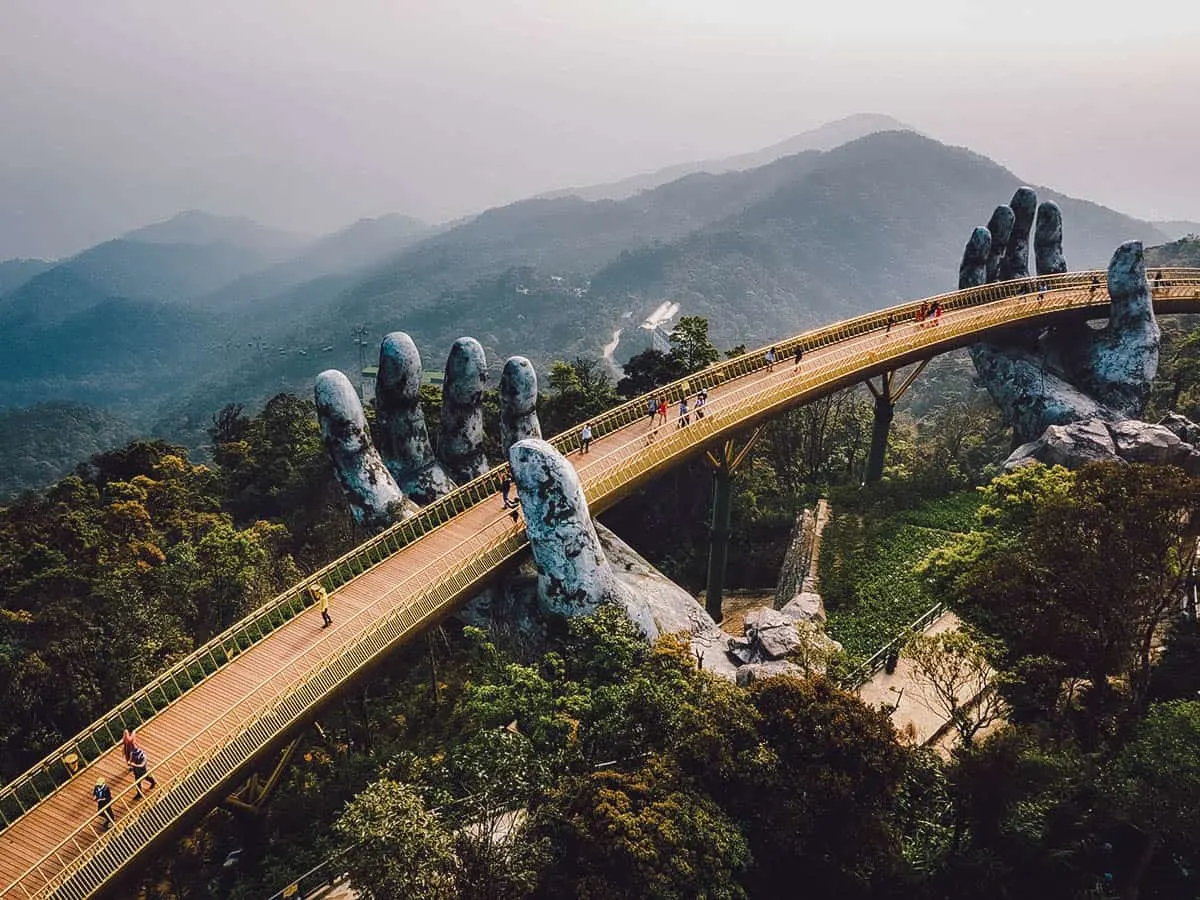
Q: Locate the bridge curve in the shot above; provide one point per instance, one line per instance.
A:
(209, 718)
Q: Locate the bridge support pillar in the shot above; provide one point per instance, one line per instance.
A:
(886, 396)
(724, 461)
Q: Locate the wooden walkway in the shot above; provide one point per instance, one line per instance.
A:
(63, 828)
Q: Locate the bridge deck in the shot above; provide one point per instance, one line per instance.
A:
(36, 848)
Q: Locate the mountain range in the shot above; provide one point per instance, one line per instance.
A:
(164, 325)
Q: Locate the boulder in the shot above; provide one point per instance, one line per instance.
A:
(1145, 443)
(1067, 445)
(805, 606)
(1182, 427)
(772, 632)
(751, 672)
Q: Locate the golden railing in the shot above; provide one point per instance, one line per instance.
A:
(80, 866)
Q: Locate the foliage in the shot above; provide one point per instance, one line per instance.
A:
(579, 391)
(118, 570)
(869, 565)
(954, 679)
(41, 443)
(638, 834)
(1083, 569)
(395, 848)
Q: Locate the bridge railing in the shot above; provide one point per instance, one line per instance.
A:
(56, 769)
(81, 863)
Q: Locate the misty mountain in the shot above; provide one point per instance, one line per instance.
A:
(362, 245)
(880, 220)
(1183, 252)
(1178, 229)
(120, 354)
(168, 273)
(805, 240)
(15, 272)
(824, 137)
(767, 251)
(194, 226)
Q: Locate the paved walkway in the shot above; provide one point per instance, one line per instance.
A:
(915, 715)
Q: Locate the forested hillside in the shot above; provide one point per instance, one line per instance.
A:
(38, 444)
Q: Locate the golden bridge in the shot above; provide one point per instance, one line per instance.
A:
(209, 719)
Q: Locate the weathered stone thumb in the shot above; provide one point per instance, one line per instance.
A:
(1123, 358)
(574, 577)
(375, 500)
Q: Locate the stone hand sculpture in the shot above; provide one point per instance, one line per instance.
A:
(376, 484)
(1041, 376)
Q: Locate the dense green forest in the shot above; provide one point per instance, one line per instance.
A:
(598, 766)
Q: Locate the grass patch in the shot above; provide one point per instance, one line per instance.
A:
(867, 559)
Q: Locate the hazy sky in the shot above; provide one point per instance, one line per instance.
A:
(311, 113)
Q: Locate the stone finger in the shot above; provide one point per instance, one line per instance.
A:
(1016, 254)
(518, 402)
(375, 499)
(403, 437)
(1047, 240)
(460, 445)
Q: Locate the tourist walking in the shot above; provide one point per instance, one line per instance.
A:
(701, 400)
(505, 488)
(683, 413)
(135, 758)
(585, 436)
(103, 795)
(1095, 284)
(799, 355)
(662, 410)
(318, 590)
(652, 410)
(890, 322)
(770, 358)
(936, 312)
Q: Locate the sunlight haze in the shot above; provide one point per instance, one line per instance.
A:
(309, 115)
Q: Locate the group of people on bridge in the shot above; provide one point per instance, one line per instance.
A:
(135, 759)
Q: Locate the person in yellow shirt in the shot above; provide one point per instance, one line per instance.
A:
(318, 590)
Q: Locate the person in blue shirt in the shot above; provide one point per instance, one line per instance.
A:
(103, 795)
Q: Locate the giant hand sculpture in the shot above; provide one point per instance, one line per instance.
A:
(376, 484)
(1041, 376)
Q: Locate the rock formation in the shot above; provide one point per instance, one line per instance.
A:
(403, 437)
(1000, 227)
(577, 565)
(574, 577)
(375, 500)
(1068, 372)
(460, 445)
(1015, 263)
(1130, 440)
(518, 403)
